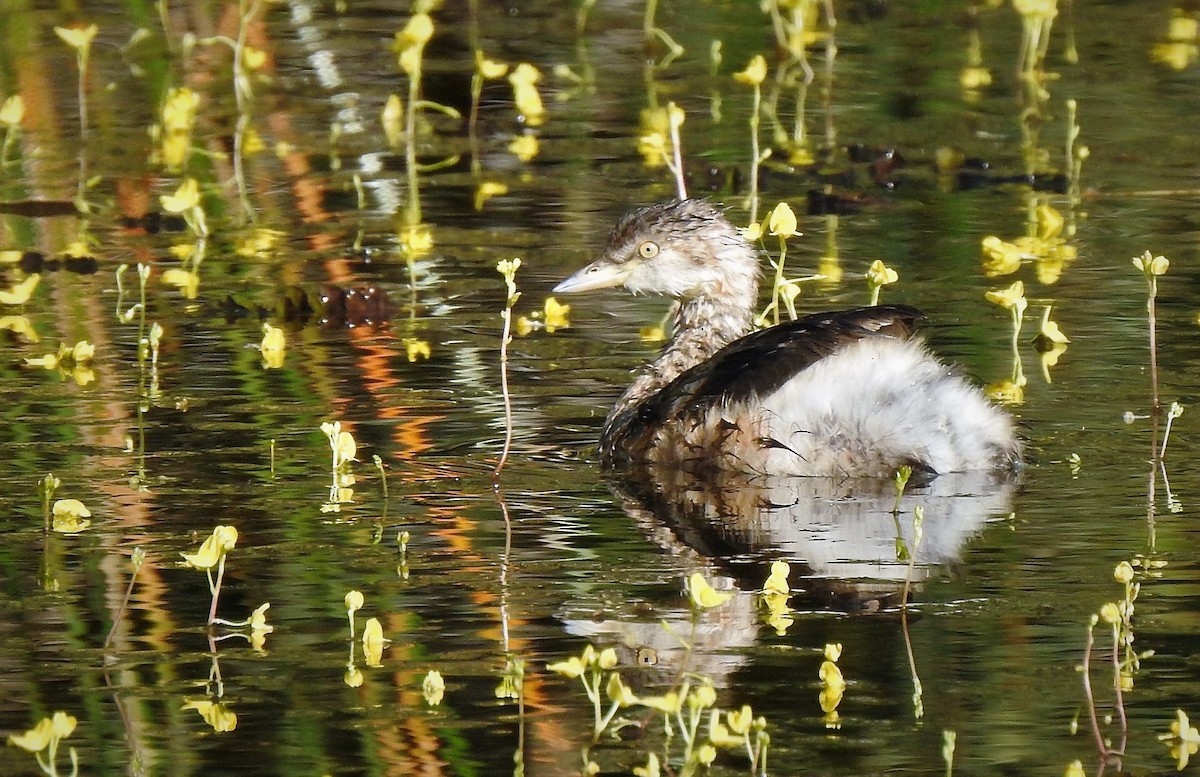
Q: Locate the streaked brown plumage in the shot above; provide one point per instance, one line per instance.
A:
(850, 394)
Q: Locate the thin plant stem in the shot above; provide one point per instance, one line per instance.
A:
(777, 291)
(677, 154)
(754, 153)
(124, 603)
(1116, 662)
(1152, 314)
(216, 591)
(505, 339)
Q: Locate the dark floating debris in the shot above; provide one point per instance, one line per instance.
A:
(154, 222)
(826, 202)
(36, 262)
(39, 209)
(328, 306)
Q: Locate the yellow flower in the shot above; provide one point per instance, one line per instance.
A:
(36, 739)
(49, 361)
(179, 109)
(83, 351)
(833, 651)
(675, 116)
(392, 119)
(12, 111)
(704, 595)
(1009, 298)
(1183, 27)
(703, 696)
(782, 221)
(47, 730)
(252, 142)
(217, 715)
(186, 282)
(572, 667)
(410, 42)
(417, 31)
(879, 274)
(258, 619)
(1151, 265)
(975, 77)
(1036, 9)
(253, 58)
(524, 78)
(1075, 769)
(755, 72)
(345, 447)
(1006, 392)
(70, 516)
(1123, 573)
(524, 147)
(258, 242)
(739, 722)
(607, 659)
(78, 38)
(831, 676)
(1049, 358)
(1000, 257)
(1051, 331)
(1175, 54)
(433, 688)
(487, 190)
(416, 349)
(651, 769)
(213, 549)
(489, 68)
(354, 601)
(1184, 737)
(186, 197)
(720, 736)
(1049, 223)
(373, 642)
(652, 147)
(71, 507)
(20, 325)
(273, 339)
(176, 147)
(706, 754)
(668, 704)
(416, 241)
(1110, 613)
(556, 315)
(777, 582)
(20, 294)
(618, 692)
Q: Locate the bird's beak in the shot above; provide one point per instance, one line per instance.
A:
(600, 274)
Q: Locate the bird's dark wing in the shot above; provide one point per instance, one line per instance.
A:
(761, 362)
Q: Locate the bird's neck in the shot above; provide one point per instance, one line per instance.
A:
(703, 325)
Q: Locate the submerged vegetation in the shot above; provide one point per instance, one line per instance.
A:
(314, 243)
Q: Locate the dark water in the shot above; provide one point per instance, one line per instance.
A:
(1009, 573)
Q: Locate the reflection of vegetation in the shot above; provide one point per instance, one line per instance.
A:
(688, 710)
(204, 357)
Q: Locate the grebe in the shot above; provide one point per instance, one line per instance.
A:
(844, 394)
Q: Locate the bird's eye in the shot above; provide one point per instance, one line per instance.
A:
(647, 249)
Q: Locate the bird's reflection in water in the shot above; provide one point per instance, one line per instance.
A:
(844, 543)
